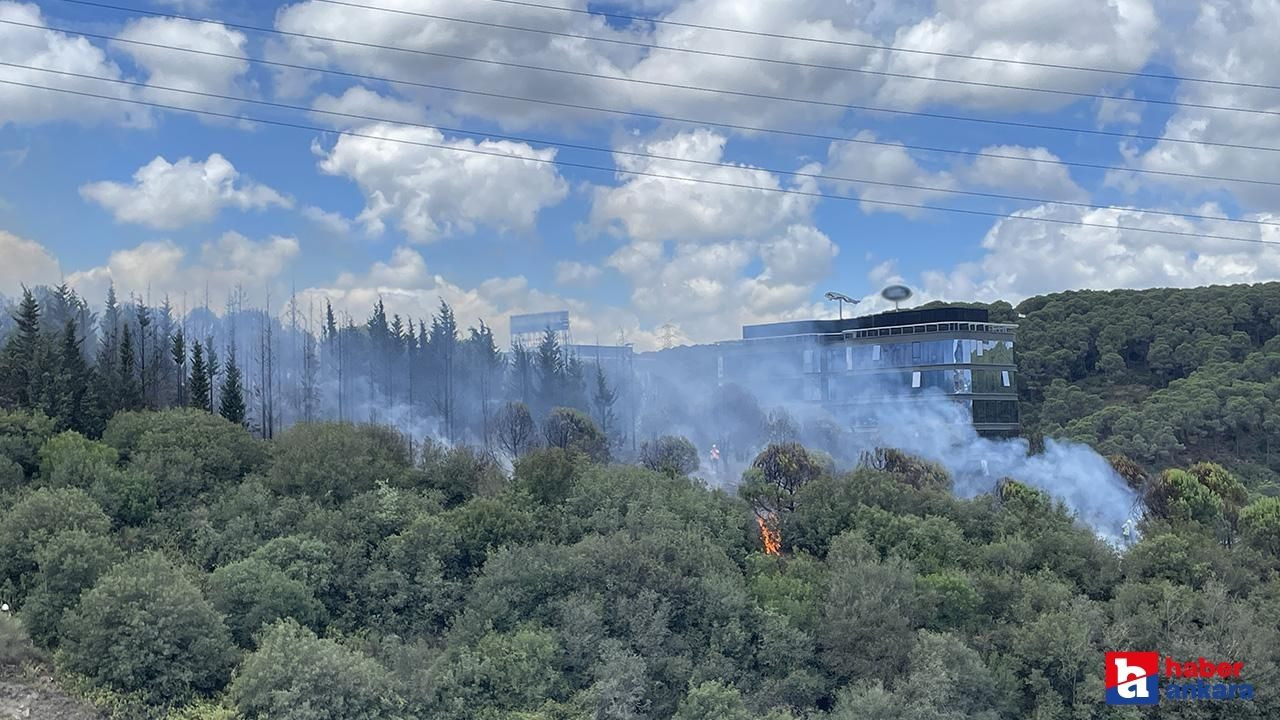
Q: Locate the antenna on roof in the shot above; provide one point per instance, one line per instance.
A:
(896, 294)
(842, 299)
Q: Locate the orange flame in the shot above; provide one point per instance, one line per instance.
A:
(771, 538)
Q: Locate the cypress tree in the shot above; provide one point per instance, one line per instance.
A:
(198, 385)
(231, 406)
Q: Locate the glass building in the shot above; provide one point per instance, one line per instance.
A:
(853, 367)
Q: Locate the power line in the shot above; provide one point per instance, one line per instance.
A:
(892, 48)
(796, 63)
(649, 116)
(629, 153)
(639, 173)
(695, 88)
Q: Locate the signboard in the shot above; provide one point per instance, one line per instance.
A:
(557, 321)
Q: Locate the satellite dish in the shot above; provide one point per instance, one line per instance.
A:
(896, 294)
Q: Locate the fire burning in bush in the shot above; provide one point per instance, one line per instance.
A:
(769, 537)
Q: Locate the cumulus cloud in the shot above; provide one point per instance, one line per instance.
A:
(1013, 265)
(1119, 34)
(361, 101)
(332, 222)
(25, 262)
(188, 71)
(167, 196)
(162, 267)
(400, 30)
(1229, 41)
(56, 51)
(572, 272)
(448, 188)
(657, 208)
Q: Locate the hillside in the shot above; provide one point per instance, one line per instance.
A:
(1165, 377)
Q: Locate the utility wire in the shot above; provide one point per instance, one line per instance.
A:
(648, 116)
(628, 153)
(638, 173)
(680, 86)
(796, 63)
(890, 48)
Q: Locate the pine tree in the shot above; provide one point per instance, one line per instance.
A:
(443, 345)
(178, 351)
(603, 400)
(198, 384)
(75, 404)
(129, 395)
(550, 371)
(143, 314)
(20, 377)
(212, 368)
(232, 396)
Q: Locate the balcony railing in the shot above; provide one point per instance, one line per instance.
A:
(950, 327)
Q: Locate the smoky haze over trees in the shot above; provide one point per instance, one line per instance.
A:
(427, 377)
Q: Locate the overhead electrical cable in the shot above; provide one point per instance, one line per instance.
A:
(648, 116)
(694, 88)
(891, 48)
(644, 173)
(628, 153)
(796, 63)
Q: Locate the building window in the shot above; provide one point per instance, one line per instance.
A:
(875, 353)
(808, 361)
(1004, 378)
(848, 358)
(915, 351)
(720, 367)
(915, 378)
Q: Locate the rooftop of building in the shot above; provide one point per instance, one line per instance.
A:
(891, 318)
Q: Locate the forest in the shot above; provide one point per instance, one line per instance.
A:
(189, 529)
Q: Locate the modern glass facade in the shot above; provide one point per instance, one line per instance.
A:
(851, 367)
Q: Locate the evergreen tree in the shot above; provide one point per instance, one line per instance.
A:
(20, 378)
(198, 385)
(443, 347)
(602, 401)
(129, 396)
(178, 351)
(76, 405)
(550, 371)
(143, 315)
(232, 406)
(520, 384)
(330, 324)
(212, 368)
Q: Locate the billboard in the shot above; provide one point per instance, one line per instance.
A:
(558, 321)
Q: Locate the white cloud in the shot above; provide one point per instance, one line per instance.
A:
(657, 208)
(56, 51)
(1014, 265)
(188, 71)
(1047, 178)
(25, 262)
(1118, 34)
(399, 30)
(885, 164)
(572, 272)
(1230, 41)
(162, 267)
(431, 192)
(168, 195)
(333, 222)
(361, 101)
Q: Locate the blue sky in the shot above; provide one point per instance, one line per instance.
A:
(97, 192)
